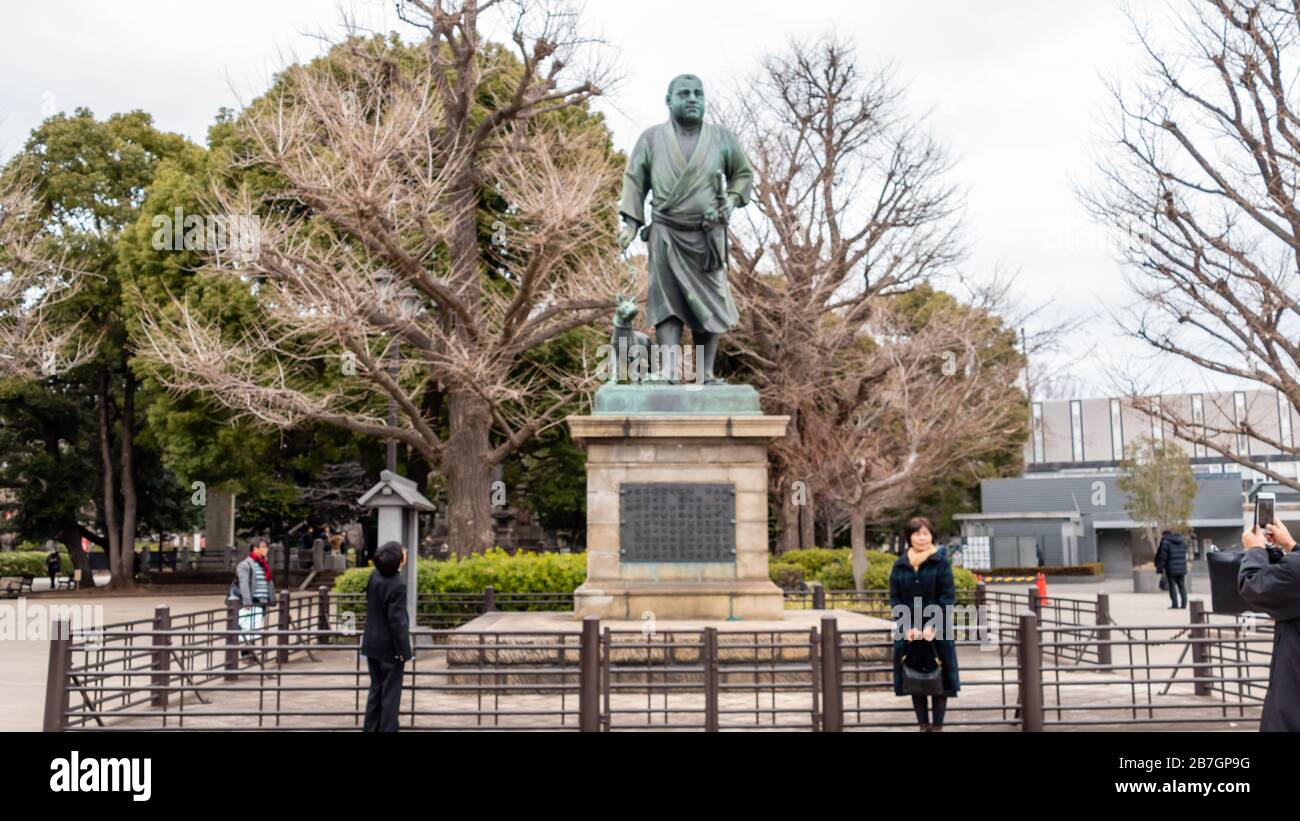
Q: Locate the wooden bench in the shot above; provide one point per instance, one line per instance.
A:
(11, 587)
(65, 583)
(27, 583)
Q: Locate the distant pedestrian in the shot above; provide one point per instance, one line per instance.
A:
(52, 566)
(1171, 560)
(255, 590)
(386, 643)
(920, 585)
(1269, 580)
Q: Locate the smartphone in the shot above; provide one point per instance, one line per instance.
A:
(1265, 511)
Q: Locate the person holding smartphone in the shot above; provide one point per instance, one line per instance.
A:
(1269, 581)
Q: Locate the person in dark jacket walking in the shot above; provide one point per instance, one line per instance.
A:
(386, 643)
(52, 566)
(1171, 559)
(920, 581)
(1269, 580)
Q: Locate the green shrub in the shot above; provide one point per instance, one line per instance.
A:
(813, 559)
(23, 563)
(838, 574)
(786, 575)
(963, 578)
(352, 580)
(520, 573)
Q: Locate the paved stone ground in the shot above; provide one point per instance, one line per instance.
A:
(24, 663)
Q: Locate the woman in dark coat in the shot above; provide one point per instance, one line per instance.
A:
(921, 596)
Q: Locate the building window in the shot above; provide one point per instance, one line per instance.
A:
(1038, 431)
(1076, 430)
(1290, 470)
(1116, 431)
(1198, 424)
(1284, 422)
(1239, 412)
(1157, 424)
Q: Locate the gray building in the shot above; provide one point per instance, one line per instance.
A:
(1069, 520)
(1092, 435)
(1067, 508)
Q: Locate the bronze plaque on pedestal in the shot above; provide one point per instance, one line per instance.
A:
(677, 522)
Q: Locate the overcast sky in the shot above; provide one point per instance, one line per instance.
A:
(1014, 87)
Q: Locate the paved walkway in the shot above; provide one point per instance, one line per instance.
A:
(25, 662)
(1127, 607)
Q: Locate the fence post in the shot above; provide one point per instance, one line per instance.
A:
(56, 679)
(232, 639)
(323, 610)
(1201, 674)
(1034, 602)
(1103, 634)
(981, 608)
(489, 599)
(1031, 675)
(832, 694)
(819, 596)
(589, 676)
(282, 640)
(710, 665)
(162, 621)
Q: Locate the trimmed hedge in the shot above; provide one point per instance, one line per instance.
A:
(520, 573)
(564, 572)
(786, 575)
(30, 563)
(834, 569)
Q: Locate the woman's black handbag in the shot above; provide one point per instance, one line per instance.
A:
(918, 683)
(1164, 582)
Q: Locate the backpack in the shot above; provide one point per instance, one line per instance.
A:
(234, 592)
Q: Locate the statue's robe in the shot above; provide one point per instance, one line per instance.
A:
(688, 279)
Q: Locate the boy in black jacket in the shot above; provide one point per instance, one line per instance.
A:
(386, 643)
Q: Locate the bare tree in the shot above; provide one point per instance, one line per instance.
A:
(1161, 488)
(34, 342)
(921, 396)
(1201, 193)
(850, 204)
(447, 205)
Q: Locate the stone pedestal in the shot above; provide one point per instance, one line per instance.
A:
(219, 520)
(675, 449)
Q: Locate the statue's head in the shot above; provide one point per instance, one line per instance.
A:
(625, 311)
(686, 99)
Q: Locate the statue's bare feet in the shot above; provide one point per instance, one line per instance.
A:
(713, 380)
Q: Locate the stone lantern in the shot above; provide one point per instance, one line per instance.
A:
(398, 501)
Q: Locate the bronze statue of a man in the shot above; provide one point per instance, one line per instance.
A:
(697, 173)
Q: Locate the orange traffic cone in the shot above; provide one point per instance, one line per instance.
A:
(1041, 580)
